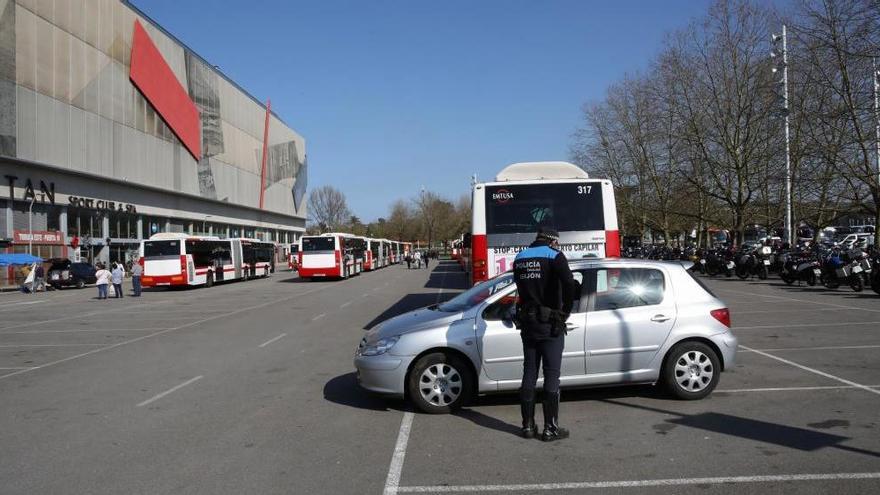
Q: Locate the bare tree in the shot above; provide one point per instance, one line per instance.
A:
(328, 209)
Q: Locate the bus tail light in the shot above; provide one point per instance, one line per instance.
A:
(141, 261)
(183, 265)
(338, 257)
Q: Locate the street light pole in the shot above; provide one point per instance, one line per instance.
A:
(31, 227)
(789, 237)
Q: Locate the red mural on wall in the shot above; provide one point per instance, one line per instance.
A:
(151, 74)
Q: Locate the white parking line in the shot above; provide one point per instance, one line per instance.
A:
(345, 304)
(811, 370)
(52, 345)
(162, 332)
(637, 483)
(392, 481)
(791, 389)
(264, 344)
(85, 330)
(802, 325)
(25, 303)
(798, 300)
(825, 348)
(170, 390)
(319, 316)
(16, 368)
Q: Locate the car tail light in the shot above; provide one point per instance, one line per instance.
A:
(722, 315)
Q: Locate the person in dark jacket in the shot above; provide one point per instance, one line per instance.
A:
(545, 287)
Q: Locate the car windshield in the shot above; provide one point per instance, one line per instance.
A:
(476, 294)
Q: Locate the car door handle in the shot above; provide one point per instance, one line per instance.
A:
(660, 318)
(571, 325)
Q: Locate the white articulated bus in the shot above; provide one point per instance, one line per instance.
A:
(525, 197)
(171, 259)
(336, 255)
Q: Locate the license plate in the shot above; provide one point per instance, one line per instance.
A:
(767, 262)
(857, 269)
(817, 272)
(55, 276)
(731, 264)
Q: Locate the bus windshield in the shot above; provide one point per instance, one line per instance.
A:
(155, 249)
(524, 208)
(318, 244)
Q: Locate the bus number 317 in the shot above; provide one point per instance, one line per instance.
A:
(584, 189)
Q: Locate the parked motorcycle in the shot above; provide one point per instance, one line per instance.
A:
(800, 267)
(754, 263)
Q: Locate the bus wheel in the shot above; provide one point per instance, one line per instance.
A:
(209, 280)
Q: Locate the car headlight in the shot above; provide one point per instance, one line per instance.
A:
(380, 347)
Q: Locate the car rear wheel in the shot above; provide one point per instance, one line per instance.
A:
(691, 370)
(439, 383)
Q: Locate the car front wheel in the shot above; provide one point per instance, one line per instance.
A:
(439, 383)
(691, 370)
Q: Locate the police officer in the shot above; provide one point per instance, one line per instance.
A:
(546, 294)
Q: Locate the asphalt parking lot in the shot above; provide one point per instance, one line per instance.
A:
(249, 388)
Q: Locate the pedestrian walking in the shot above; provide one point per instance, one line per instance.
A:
(39, 278)
(136, 272)
(545, 287)
(116, 277)
(426, 257)
(418, 259)
(102, 277)
(408, 261)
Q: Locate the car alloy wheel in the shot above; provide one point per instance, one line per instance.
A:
(691, 370)
(440, 385)
(694, 371)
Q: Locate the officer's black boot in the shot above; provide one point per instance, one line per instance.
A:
(552, 431)
(527, 408)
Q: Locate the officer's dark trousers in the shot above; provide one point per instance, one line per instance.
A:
(537, 353)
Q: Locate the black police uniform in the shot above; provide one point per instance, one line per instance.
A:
(546, 293)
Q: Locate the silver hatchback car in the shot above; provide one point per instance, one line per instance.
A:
(634, 321)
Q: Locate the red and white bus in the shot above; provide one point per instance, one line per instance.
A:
(171, 259)
(337, 255)
(524, 197)
(374, 254)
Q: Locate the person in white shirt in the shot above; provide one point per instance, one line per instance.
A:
(417, 259)
(116, 277)
(103, 279)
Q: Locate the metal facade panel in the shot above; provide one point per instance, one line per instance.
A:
(152, 75)
(26, 124)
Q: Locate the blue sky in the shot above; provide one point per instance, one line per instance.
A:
(393, 96)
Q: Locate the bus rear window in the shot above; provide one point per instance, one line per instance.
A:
(318, 244)
(154, 249)
(524, 208)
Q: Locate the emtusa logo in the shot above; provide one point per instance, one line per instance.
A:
(502, 196)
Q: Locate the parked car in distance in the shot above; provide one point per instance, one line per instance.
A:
(65, 273)
(634, 321)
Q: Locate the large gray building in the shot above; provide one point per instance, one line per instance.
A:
(112, 130)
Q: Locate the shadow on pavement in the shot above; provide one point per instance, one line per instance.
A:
(447, 275)
(751, 429)
(345, 391)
